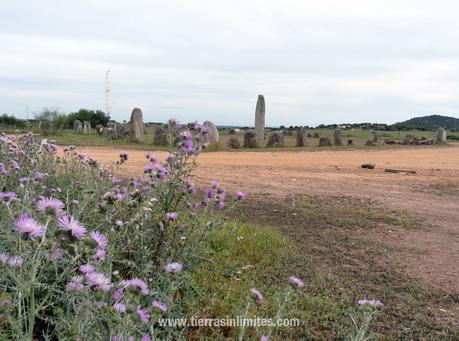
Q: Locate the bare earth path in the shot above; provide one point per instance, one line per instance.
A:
(432, 194)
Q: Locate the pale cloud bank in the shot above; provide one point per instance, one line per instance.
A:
(315, 62)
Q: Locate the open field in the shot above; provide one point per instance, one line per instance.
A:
(352, 231)
(359, 137)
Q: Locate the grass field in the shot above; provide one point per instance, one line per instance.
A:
(359, 138)
(267, 243)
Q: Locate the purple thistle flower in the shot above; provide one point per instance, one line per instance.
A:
(8, 197)
(3, 169)
(296, 281)
(99, 281)
(39, 176)
(240, 195)
(4, 257)
(264, 338)
(56, 253)
(221, 204)
(124, 155)
(99, 238)
(257, 294)
(171, 216)
(143, 315)
(100, 254)
(118, 294)
(15, 261)
(146, 337)
(15, 165)
(159, 306)
(50, 206)
(75, 284)
(173, 267)
(87, 268)
(210, 193)
(72, 225)
(29, 227)
(119, 307)
(136, 282)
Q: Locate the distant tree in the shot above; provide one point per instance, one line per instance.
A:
(95, 117)
(50, 121)
(8, 121)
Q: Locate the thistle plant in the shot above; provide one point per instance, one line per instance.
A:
(86, 255)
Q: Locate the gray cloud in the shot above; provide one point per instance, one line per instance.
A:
(315, 62)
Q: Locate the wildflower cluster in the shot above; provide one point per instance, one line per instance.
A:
(88, 255)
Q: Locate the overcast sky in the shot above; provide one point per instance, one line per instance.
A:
(328, 61)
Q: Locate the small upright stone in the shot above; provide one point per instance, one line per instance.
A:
(276, 139)
(374, 136)
(112, 131)
(234, 143)
(137, 128)
(250, 140)
(441, 136)
(77, 126)
(301, 137)
(160, 137)
(338, 137)
(260, 120)
(212, 136)
(324, 142)
(100, 129)
(86, 127)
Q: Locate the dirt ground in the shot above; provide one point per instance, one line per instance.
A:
(429, 252)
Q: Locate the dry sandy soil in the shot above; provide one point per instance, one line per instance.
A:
(430, 253)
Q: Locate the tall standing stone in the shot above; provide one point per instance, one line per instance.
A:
(77, 126)
(260, 120)
(301, 137)
(86, 127)
(137, 128)
(212, 136)
(441, 136)
(338, 137)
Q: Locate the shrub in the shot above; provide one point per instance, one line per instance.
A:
(50, 121)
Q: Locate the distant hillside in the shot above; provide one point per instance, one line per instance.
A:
(431, 122)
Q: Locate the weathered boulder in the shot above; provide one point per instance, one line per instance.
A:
(100, 129)
(260, 119)
(212, 137)
(137, 127)
(338, 137)
(160, 136)
(250, 140)
(441, 136)
(124, 130)
(276, 139)
(301, 140)
(324, 142)
(233, 142)
(77, 127)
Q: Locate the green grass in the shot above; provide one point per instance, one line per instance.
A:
(332, 251)
(67, 137)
